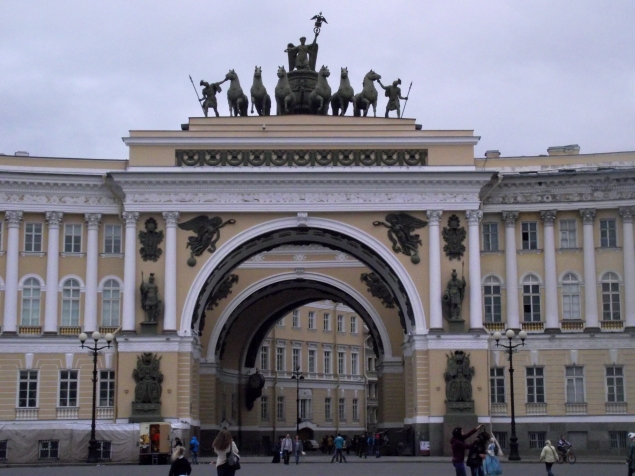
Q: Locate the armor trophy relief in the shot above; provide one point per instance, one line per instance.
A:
(303, 88)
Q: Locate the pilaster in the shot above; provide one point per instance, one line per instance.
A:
(511, 270)
(54, 219)
(129, 274)
(590, 290)
(10, 324)
(92, 266)
(474, 218)
(551, 279)
(434, 253)
(169, 320)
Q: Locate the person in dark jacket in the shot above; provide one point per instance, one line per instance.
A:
(277, 449)
(477, 454)
(180, 464)
(458, 445)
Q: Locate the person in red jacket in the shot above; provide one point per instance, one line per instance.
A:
(458, 445)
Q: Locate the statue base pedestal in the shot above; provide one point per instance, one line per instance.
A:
(456, 327)
(458, 414)
(148, 328)
(145, 412)
(302, 84)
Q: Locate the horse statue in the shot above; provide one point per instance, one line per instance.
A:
(321, 96)
(343, 96)
(285, 99)
(259, 96)
(238, 102)
(368, 96)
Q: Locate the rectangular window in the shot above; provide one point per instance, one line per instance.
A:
(72, 238)
(342, 409)
(327, 322)
(104, 449)
(611, 299)
(33, 238)
(568, 237)
(49, 449)
(106, 388)
(112, 239)
(280, 408)
(608, 233)
(353, 324)
(341, 363)
(615, 384)
(70, 303)
(328, 369)
(531, 302)
(501, 436)
(355, 409)
(280, 358)
(3, 449)
(492, 301)
(490, 236)
(535, 385)
(311, 322)
(618, 439)
(354, 364)
(575, 384)
(280, 323)
(340, 323)
(264, 408)
(295, 357)
(305, 409)
(296, 319)
(27, 392)
(264, 357)
(536, 440)
(370, 364)
(529, 233)
(497, 384)
(68, 388)
(328, 413)
(312, 355)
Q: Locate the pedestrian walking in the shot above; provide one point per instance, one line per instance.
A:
(377, 445)
(370, 445)
(180, 465)
(458, 445)
(223, 446)
(287, 448)
(297, 449)
(194, 445)
(277, 449)
(630, 459)
(549, 456)
(492, 466)
(338, 455)
(329, 443)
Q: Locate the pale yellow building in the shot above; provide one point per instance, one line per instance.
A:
(549, 249)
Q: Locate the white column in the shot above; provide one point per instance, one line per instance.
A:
(10, 324)
(52, 271)
(169, 319)
(551, 278)
(434, 250)
(130, 272)
(92, 258)
(590, 288)
(474, 265)
(511, 270)
(627, 215)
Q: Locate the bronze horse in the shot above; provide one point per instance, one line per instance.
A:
(368, 96)
(259, 97)
(320, 97)
(343, 96)
(285, 99)
(238, 102)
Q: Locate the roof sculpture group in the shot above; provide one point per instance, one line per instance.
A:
(302, 89)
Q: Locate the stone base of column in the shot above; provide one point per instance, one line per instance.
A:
(168, 332)
(478, 330)
(9, 333)
(457, 326)
(148, 328)
(50, 333)
(592, 330)
(553, 330)
(437, 330)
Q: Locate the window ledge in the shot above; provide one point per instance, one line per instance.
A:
(64, 254)
(569, 250)
(608, 249)
(530, 252)
(39, 254)
(492, 252)
(327, 331)
(111, 255)
(312, 330)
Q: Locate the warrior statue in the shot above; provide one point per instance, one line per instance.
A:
(393, 93)
(148, 378)
(209, 96)
(453, 297)
(150, 301)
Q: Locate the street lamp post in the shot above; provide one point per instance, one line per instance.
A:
(509, 348)
(297, 376)
(94, 349)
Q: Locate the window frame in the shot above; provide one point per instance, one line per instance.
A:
(108, 385)
(296, 358)
(312, 361)
(68, 385)
(492, 300)
(489, 230)
(354, 363)
(31, 382)
(571, 299)
(281, 357)
(326, 322)
(341, 408)
(76, 240)
(609, 303)
(340, 324)
(107, 292)
(615, 384)
(295, 319)
(535, 396)
(112, 237)
(567, 235)
(537, 439)
(327, 361)
(355, 409)
(529, 237)
(71, 285)
(280, 408)
(341, 362)
(496, 375)
(532, 298)
(264, 408)
(354, 324)
(608, 233)
(328, 409)
(311, 321)
(26, 286)
(51, 446)
(578, 381)
(33, 234)
(264, 357)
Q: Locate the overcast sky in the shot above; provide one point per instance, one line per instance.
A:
(76, 76)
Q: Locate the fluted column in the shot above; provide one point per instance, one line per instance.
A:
(169, 319)
(92, 255)
(52, 271)
(129, 272)
(511, 270)
(551, 278)
(474, 265)
(627, 215)
(10, 324)
(434, 253)
(590, 289)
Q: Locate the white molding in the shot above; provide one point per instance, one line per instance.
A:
(575, 341)
(135, 344)
(305, 264)
(100, 287)
(583, 419)
(454, 342)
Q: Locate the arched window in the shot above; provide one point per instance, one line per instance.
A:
(110, 304)
(70, 303)
(531, 298)
(31, 294)
(570, 297)
(611, 297)
(492, 299)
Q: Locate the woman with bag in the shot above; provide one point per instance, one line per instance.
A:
(492, 466)
(548, 455)
(180, 464)
(228, 460)
(477, 454)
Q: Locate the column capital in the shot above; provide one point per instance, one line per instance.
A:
(130, 218)
(627, 214)
(434, 216)
(171, 218)
(54, 219)
(588, 215)
(13, 218)
(474, 217)
(548, 216)
(510, 218)
(92, 219)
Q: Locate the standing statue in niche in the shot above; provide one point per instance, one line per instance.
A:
(458, 377)
(150, 302)
(150, 241)
(148, 378)
(393, 93)
(453, 297)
